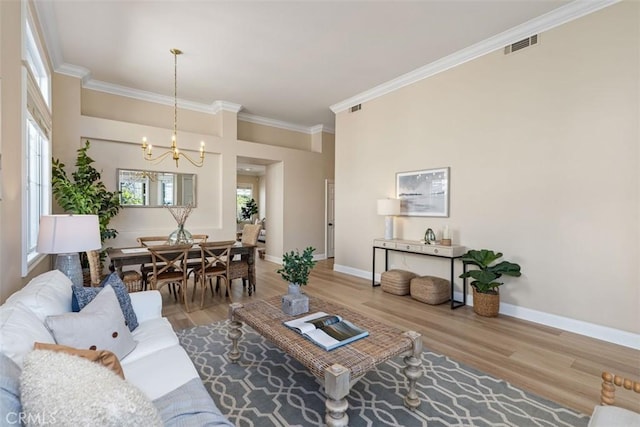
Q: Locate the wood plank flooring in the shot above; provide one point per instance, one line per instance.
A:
(557, 365)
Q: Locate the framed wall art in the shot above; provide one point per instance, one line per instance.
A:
(423, 193)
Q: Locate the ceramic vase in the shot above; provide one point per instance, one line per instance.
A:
(295, 302)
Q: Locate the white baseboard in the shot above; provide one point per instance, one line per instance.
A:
(604, 333)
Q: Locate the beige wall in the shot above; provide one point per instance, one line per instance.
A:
(543, 147)
(248, 131)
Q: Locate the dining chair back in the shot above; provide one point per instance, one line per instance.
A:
(215, 259)
(239, 269)
(169, 268)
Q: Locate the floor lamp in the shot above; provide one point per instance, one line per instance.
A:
(389, 208)
(65, 236)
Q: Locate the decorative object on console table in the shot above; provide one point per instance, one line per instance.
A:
(446, 236)
(180, 213)
(430, 237)
(423, 193)
(486, 296)
(389, 208)
(66, 236)
(295, 269)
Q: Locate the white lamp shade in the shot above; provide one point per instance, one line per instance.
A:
(389, 207)
(62, 234)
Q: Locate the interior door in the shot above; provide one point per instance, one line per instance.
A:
(330, 215)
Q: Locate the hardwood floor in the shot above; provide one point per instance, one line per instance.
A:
(557, 365)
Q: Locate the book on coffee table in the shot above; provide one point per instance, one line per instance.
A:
(327, 330)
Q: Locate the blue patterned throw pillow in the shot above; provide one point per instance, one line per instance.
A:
(83, 296)
(123, 298)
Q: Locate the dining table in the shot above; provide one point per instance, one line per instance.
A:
(137, 255)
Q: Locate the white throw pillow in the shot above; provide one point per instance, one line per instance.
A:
(19, 330)
(45, 295)
(63, 389)
(100, 325)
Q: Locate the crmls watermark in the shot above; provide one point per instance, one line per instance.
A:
(19, 418)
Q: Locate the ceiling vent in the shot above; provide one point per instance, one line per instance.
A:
(356, 108)
(519, 45)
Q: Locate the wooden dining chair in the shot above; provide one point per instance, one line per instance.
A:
(239, 269)
(195, 263)
(169, 268)
(146, 241)
(215, 258)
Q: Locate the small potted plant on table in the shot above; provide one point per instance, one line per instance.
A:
(486, 296)
(295, 269)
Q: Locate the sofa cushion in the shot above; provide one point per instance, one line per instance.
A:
(161, 372)
(83, 296)
(190, 404)
(10, 406)
(19, 330)
(98, 326)
(611, 416)
(70, 390)
(103, 357)
(48, 294)
(151, 336)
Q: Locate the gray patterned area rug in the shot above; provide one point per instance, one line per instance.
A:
(269, 388)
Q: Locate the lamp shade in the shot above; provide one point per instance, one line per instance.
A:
(389, 207)
(62, 234)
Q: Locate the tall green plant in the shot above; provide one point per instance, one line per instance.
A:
(249, 209)
(486, 276)
(84, 193)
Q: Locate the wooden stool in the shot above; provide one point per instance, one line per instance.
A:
(396, 282)
(430, 289)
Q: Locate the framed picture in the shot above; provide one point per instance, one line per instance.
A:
(423, 193)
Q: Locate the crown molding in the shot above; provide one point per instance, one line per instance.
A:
(259, 120)
(232, 107)
(74, 71)
(562, 15)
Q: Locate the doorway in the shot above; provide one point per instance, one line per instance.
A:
(330, 194)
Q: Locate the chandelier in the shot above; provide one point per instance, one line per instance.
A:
(174, 152)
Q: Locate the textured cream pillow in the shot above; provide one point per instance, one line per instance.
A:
(100, 325)
(62, 389)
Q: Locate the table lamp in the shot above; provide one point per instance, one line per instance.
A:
(389, 208)
(65, 236)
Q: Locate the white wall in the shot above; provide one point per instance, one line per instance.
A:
(543, 147)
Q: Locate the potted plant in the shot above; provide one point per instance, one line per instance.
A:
(295, 270)
(84, 193)
(486, 296)
(249, 210)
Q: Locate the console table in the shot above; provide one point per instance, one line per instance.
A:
(415, 247)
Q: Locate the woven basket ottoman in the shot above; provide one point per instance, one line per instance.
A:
(430, 289)
(396, 282)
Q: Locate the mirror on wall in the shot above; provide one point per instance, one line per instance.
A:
(143, 188)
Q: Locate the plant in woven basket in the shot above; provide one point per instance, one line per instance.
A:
(485, 278)
(296, 266)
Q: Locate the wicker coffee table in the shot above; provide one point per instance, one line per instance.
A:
(338, 369)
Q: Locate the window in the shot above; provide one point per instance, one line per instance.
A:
(36, 143)
(244, 193)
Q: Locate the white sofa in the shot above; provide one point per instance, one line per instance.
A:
(158, 366)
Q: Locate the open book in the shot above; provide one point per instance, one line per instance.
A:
(326, 330)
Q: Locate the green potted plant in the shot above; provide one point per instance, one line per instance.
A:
(486, 296)
(249, 210)
(295, 270)
(84, 193)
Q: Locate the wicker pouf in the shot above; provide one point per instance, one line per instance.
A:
(132, 280)
(430, 289)
(396, 281)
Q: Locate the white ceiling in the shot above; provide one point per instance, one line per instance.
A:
(283, 61)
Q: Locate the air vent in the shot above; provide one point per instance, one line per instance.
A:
(519, 45)
(356, 108)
